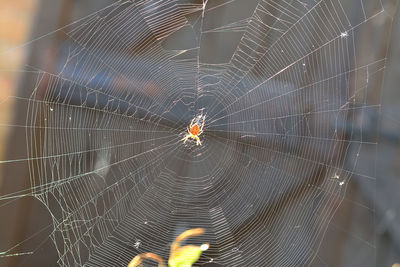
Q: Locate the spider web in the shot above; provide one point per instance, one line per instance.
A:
(283, 85)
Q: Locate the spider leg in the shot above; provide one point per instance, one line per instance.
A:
(202, 124)
(186, 138)
(198, 142)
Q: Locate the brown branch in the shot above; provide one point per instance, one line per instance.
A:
(138, 259)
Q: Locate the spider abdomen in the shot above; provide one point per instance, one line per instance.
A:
(195, 130)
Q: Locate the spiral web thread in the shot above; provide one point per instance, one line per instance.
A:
(283, 114)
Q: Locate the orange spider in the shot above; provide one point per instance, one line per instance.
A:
(194, 130)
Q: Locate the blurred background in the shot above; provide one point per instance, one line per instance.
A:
(366, 227)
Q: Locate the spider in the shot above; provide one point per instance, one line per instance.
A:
(180, 256)
(194, 130)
